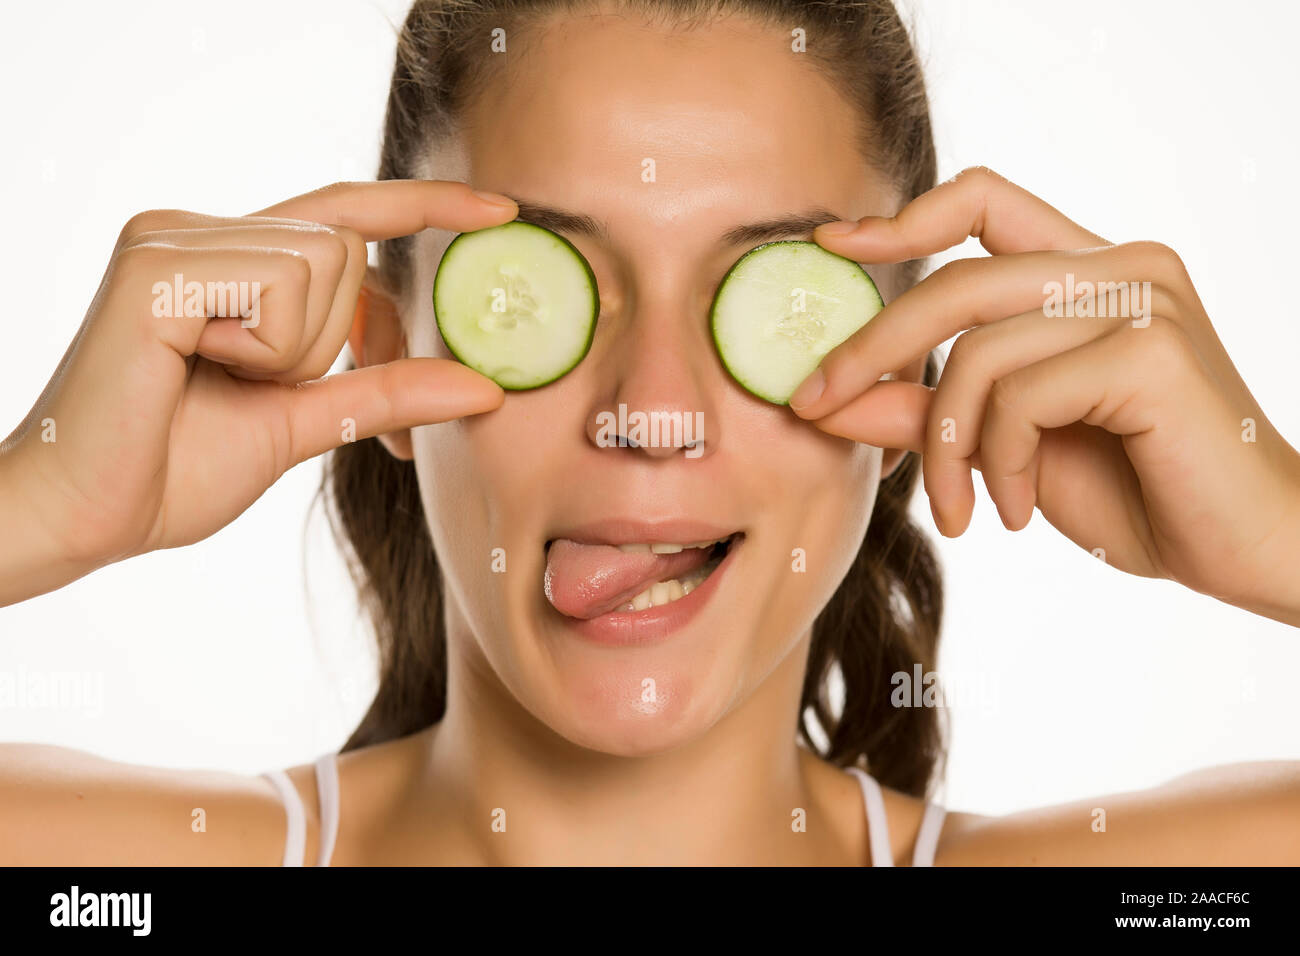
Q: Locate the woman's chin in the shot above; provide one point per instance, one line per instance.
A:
(633, 710)
(635, 682)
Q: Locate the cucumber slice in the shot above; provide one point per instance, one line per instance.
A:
(782, 307)
(517, 303)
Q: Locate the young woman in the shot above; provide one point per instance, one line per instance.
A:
(525, 714)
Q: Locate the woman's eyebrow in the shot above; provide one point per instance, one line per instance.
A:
(560, 220)
(779, 227)
(753, 233)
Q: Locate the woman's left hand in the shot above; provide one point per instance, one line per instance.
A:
(1132, 433)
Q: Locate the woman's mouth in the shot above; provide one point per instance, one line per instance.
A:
(624, 590)
(665, 592)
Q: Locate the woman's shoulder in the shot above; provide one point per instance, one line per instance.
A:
(907, 814)
(368, 781)
(850, 816)
(1234, 815)
(62, 806)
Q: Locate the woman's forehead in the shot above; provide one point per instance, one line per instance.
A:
(683, 117)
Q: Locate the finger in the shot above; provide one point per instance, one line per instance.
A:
(1099, 383)
(955, 418)
(329, 250)
(396, 207)
(969, 292)
(977, 202)
(891, 415)
(378, 399)
(264, 293)
(157, 220)
(330, 338)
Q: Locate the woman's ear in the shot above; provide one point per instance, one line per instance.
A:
(892, 457)
(377, 338)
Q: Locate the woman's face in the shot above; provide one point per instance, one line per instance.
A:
(669, 141)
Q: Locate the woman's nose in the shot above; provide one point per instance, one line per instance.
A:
(656, 378)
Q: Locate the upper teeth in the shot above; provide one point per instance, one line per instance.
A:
(660, 548)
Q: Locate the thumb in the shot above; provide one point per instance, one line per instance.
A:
(890, 414)
(377, 399)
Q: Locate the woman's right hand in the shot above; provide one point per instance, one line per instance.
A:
(156, 430)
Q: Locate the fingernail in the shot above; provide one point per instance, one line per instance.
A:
(496, 198)
(841, 227)
(809, 391)
(934, 513)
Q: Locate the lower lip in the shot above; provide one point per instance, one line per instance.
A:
(624, 628)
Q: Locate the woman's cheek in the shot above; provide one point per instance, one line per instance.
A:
(839, 492)
(461, 485)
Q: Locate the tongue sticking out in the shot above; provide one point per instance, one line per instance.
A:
(587, 580)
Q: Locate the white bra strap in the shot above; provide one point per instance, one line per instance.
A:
(295, 841)
(327, 793)
(927, 837)
(877, 824)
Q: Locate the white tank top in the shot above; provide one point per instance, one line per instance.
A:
(327, 797)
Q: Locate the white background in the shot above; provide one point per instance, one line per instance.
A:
(1169, 121)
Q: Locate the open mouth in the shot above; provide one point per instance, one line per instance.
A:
(672, 589)
(586, 580)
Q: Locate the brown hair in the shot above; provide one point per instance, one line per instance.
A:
(885, 616)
